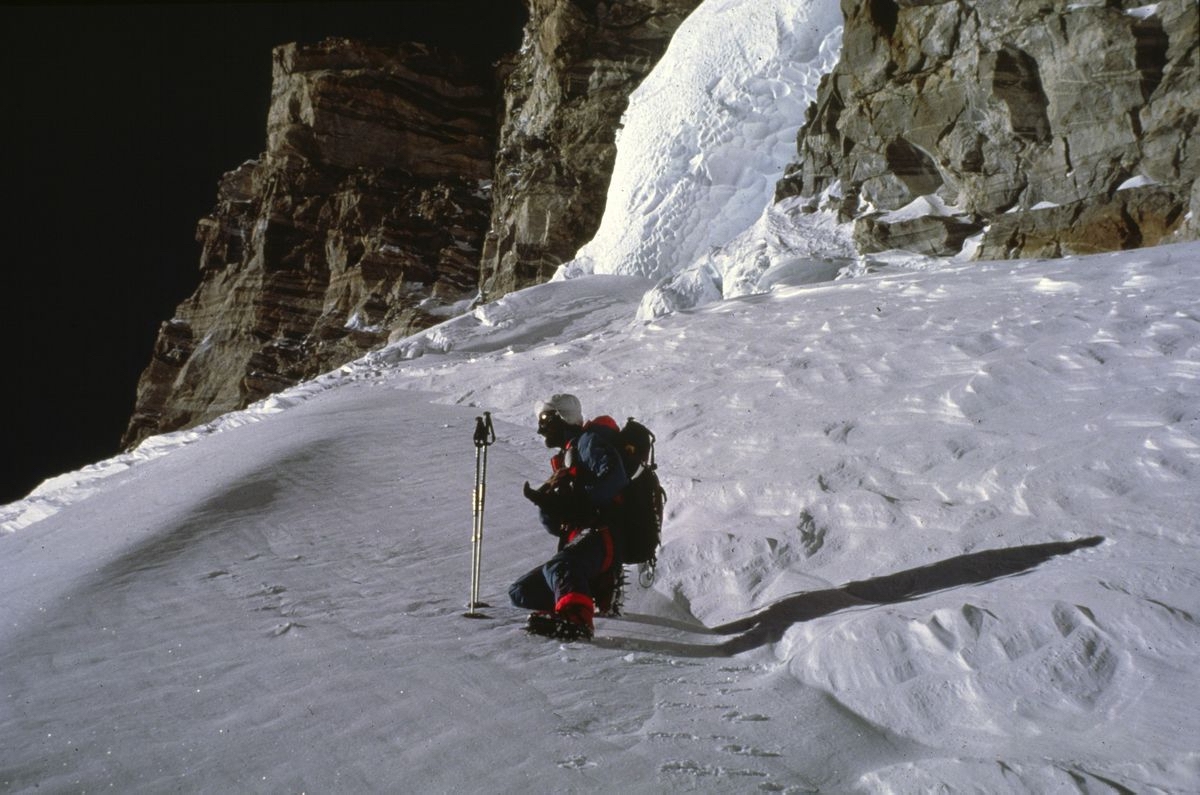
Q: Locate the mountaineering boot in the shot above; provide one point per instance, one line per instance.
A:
(552, 625)
(578, 609)
(571, 619)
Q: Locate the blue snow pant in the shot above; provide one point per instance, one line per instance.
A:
(572, 570)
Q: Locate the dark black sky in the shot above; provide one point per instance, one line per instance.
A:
(118, 122)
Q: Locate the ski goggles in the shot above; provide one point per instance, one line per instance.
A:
(547, 418)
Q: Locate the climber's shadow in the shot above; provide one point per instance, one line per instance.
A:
(769, 624)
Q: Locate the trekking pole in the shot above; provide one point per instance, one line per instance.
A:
(484, 436)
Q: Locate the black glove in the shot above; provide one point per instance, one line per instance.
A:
(561, 501)
(536, 496)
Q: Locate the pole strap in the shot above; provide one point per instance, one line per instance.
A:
(485, 434)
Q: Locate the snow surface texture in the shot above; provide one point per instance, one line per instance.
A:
(704, 140)
(931, 527)
(926, 530)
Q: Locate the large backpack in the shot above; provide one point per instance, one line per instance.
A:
(643, 500)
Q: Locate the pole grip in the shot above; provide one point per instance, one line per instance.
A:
(485, 434)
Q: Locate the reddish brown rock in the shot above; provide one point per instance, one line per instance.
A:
(364, 218)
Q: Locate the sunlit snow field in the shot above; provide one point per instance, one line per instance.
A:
(930, 528)
(924, 528)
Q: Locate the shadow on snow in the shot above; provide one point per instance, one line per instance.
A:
(771, 623)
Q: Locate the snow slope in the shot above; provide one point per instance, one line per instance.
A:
(931, 528)
(926, 529)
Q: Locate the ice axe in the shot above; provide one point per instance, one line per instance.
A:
(485, 434)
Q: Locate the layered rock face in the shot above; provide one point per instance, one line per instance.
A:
(365, 216)
(368, 217)
(1061, 128)
(399, 184)
(564, 99)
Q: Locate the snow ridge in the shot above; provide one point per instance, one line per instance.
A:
(709, 132)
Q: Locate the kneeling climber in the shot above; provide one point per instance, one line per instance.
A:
(577, 506)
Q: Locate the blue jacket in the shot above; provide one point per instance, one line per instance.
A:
(593, 459)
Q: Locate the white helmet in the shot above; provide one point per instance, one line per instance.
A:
(565, 406)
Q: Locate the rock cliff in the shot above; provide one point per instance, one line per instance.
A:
(564, 100)
(398, 184)
(1059, 127)
(365, 216)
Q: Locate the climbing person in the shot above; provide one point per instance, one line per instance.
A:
(577, 506)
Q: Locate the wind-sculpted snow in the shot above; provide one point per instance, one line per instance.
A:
(709, 132)
(926, 531)
(525, 319)
(515, 322)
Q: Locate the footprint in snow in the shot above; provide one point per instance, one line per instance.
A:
(697, 769)
(746, 750)
(741, 717)
(576, 763)
(812, 535)
(283, 629)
